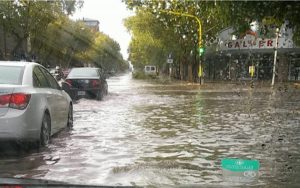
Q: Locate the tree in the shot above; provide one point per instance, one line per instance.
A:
(25, 19)
(62, 42)
(178, 34)
(215, 16)
(146, 46)
(105, 53)
(270, 14)
(44, 29)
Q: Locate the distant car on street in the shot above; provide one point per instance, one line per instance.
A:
(150, 70)
(87, 82)
(33, 106)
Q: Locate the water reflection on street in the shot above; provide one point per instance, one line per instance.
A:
(145, 133)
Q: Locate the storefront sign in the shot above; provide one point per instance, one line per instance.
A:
(255, 44)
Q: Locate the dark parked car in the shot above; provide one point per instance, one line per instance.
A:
(87, 82)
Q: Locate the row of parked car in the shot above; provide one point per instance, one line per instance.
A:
(34, 105)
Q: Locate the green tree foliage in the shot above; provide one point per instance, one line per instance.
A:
(24, 19)
(44, 29)
(61, 43)
(105, 52)
(174, 34)
(270, 14)
(214, 15)
(146, 46)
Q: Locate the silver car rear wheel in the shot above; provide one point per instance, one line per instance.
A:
(45, 131)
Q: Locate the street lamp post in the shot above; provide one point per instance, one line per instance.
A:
(200, 74)
(275, 57)
(4, 34)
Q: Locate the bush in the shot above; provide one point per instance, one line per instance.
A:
(138, 75)
(164, 80)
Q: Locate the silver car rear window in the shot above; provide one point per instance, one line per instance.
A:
(11, 75)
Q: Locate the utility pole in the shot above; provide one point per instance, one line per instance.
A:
(275, 57)
(4, 35)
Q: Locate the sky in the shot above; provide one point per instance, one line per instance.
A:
(110, 14)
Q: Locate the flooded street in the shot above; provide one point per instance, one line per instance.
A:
(146, 133)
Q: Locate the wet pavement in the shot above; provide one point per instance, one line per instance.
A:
(146, 133)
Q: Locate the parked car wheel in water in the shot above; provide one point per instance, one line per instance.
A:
(45, 131)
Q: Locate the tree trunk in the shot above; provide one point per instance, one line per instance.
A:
(19, 47)
(190, 72)
(181, 67)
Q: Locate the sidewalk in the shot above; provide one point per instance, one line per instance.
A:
(228, 84)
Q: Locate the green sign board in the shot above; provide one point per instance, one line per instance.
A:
(240, 165)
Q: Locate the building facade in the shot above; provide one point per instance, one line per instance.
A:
(232, 56)
(92, 23)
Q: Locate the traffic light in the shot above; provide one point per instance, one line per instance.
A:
(201, 51)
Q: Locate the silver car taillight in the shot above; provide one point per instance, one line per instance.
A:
(4, 100)
(15, 100)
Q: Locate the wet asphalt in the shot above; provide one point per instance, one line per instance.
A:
(149, 133)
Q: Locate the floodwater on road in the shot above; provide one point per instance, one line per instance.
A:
(146, 133)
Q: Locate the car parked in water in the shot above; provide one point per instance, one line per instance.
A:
(33, 106)
(87, 82)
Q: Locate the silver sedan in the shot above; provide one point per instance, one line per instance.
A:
(33, 106)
